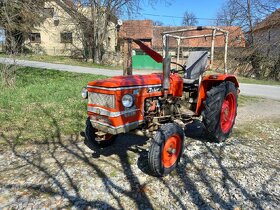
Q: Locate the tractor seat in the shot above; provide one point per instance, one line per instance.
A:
(196, 65)
(190, 81)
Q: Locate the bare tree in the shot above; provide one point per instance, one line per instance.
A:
(158, 23)
(95, 19)
(189, 19)
(227, 15)
(245, 13)
(17, 18)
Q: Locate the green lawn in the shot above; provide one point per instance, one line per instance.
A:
(44, 103)
(256, 81)
(246, 100)
(61, 60)
(248, 80)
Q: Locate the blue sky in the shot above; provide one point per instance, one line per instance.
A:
(201, 8)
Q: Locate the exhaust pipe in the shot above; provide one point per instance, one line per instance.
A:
(166, 67)
(166, 75)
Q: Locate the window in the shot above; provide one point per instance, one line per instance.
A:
(66, 37)
(49, 12)
(35, 38)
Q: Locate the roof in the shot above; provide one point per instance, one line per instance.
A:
(137, 29)
(269, 22)
(236, 37)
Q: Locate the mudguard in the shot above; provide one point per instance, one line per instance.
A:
(207, 83)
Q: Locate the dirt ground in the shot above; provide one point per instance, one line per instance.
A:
(242, 173)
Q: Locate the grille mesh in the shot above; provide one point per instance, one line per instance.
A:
(101, 99)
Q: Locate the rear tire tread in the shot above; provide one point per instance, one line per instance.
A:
(212, 110)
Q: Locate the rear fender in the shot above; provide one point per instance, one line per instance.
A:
(207, 83)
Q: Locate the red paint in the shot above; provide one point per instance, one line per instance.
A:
(171, 151)
(128, 81)
(176, 87)
(228, 113)
(153, 54)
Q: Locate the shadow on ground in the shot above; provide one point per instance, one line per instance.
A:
(111, 172)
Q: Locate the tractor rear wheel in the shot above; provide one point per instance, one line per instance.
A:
(219, 112)
(166, 149)
(91, 137)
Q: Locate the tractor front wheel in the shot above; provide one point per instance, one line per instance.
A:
(166, 149)
(91, 136)
(219, 112)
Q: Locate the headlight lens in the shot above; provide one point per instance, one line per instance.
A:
(127, 101)
(84, 93)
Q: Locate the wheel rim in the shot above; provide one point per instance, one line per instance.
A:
(228, 112)
(171, 151)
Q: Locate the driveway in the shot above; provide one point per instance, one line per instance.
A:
(265, 91)
(63, 67)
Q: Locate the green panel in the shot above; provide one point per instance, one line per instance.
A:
(145, 62)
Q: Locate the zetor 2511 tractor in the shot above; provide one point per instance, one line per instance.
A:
(150, 104)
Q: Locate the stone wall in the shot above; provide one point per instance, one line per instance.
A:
(267, 41)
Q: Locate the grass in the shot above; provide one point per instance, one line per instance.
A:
(248, 80)
(61, 60)
(261, 129)
(246, 100)
(256, 81)
(44, 104)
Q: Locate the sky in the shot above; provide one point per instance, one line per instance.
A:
(201, 8)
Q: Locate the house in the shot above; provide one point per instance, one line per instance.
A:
(137, 29)
(59, 34)
(266, 35)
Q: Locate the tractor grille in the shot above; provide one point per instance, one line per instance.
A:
(101, 99)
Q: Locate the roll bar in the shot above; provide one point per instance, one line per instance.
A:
(215, 32)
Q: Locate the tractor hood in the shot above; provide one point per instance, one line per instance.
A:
(130, 80)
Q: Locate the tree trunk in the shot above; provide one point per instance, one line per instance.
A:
(96, 55)
(275, 71)
(256, 64)
(249, 15)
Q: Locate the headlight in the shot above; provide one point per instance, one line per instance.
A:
(127, 101)
(84, 93)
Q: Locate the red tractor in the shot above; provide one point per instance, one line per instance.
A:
(150, 104)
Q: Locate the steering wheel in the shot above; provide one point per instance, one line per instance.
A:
(183, 67)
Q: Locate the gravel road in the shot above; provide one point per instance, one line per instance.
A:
(62, 172)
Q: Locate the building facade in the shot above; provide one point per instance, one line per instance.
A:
(59, 34)
(267, 35)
